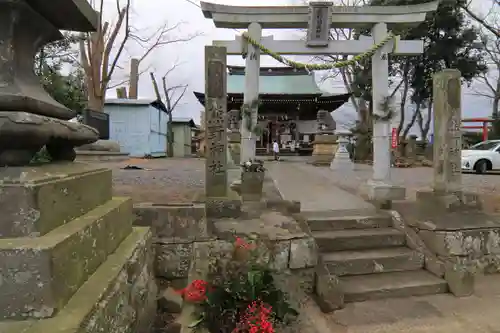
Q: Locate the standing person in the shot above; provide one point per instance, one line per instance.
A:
(276, 150)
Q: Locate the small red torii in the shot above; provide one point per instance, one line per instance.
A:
(484, 126)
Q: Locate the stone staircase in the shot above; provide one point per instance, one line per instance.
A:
(370, 258)
(70, 260)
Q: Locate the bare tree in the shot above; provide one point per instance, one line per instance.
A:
(102, 50)
(483, 19)
(172, 94)
(489, 82)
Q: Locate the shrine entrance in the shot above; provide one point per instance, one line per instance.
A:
(318, 18)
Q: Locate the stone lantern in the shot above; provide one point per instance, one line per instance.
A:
(325, 141)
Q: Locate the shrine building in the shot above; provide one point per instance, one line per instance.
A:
(289, 101)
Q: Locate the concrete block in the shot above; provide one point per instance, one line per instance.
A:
(460, 280)
(380, 191)
(173, 260)
(303, 253)
(40, 275)
(104, 302)
(174, 223)
(35, 200)
(328, 292)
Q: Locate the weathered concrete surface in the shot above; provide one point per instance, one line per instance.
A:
(39, 275)
(119, 297)
(35, 200)
(174, 223)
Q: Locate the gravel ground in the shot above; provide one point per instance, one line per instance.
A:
(179, 179)
(161, 180)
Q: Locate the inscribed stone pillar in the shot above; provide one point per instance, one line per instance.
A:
(447, 136)
(215, 122)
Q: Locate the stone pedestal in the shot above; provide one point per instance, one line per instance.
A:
(324, 148)
(70, 260)
(101, 150)
(382, 193)
(101, 145)
(64, 259)
(456, 230)
(342, 161)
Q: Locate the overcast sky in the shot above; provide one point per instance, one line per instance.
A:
(149, 14)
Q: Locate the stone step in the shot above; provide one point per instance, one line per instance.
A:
(325, 223)
(373, 261)
(360, 288)
(38, 199)
(39, 275)
(358, 239)
(118, 297)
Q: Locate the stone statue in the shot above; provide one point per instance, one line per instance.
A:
(326, 124)
(29, 117)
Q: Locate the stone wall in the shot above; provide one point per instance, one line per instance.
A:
(180, 229)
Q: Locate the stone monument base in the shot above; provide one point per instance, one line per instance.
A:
(382, 194)
(102, 145)
(23, 134)
(456, 230)
(101, 150)
(70, 257)
(434, 202)
(100, 156)
(342, 160)
(324, 148)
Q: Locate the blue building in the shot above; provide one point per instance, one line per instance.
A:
(138, 125)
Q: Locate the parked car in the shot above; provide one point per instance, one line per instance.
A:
(482, 157)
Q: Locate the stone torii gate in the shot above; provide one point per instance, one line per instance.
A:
(318, 18)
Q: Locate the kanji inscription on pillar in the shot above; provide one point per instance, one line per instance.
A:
(215, 122)
(447, 133)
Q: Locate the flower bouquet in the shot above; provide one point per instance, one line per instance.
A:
(253, 165)
(243, 298)
(252, 180)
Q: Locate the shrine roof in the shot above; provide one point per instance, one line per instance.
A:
(274, 81)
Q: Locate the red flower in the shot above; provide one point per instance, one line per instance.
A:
(256, 319)
(195, 292)
(240, 243)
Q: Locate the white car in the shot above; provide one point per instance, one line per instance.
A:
(482, 157)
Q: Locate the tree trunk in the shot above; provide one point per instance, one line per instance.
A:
(96, 103)
(170, 136)
(412, 120)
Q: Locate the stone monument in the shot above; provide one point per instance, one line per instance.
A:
(220, 201)
(325, 142)
(70, 260)
(449, 220)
